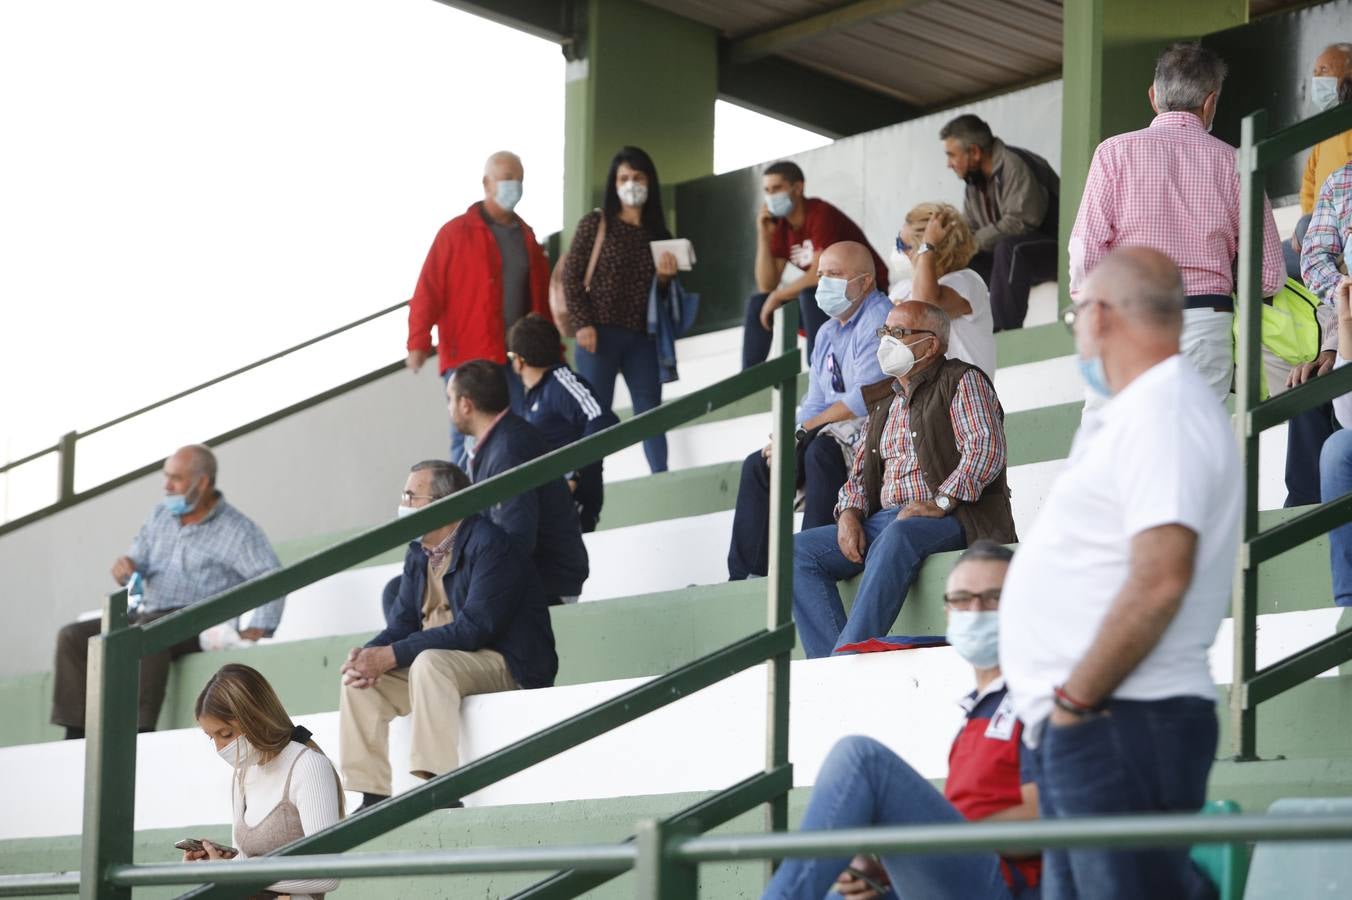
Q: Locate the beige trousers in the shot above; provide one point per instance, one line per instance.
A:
(430, 691)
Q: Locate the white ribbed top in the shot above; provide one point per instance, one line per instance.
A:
(314, 791)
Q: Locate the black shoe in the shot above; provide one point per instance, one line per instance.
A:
(74, 734)
(369, 800)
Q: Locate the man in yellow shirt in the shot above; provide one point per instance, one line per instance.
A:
(1328, 156)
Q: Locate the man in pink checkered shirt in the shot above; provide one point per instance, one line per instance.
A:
(1175, 188)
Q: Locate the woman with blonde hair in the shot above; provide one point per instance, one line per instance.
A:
(284, 786)
(939, 245)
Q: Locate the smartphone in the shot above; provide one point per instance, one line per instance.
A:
(195, 844)
(873, 883)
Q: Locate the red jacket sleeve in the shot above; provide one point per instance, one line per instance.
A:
(429, 296)
(539, 277)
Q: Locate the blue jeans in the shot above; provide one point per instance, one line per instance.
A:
(1140, 757)
(461, 444)
(756, 340)
(895, 550)
(824, 473)
(862, 783)
(621, 351)
(1335, 480)
(1291, 255)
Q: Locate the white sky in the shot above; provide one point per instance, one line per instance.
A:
(186, 187)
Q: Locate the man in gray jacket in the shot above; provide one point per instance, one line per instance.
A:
(1011, 206)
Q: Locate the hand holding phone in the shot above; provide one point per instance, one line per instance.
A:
(196, 849)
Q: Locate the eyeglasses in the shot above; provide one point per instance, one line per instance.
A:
(1075, 310)
(837, 376)
(899, 333)
(408, 497)
(986, 601)
(902, 246)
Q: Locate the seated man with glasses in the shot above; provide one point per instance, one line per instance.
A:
(990, 776)
(470, 617)
(928, 476)
(844, 360)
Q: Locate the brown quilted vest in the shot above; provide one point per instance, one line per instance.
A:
(936, 448)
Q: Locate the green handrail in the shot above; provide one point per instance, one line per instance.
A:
(65, 447)
(1259, 151)
(664, 864)
(110, 753)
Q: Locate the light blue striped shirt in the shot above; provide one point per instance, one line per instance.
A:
(185, 564)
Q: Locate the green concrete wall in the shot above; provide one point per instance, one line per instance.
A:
(647, 78)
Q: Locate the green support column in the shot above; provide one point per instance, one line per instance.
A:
(1108, 61)
(644, 77)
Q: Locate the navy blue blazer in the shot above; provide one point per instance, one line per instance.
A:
(543, 521)
(497, 600)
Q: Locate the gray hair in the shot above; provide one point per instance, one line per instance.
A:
(1342, 47)
(1146, 285)
(502, 156)
(937, 321)
(985, 550)
(447, 478)
(203, 461)
(969, 130)
(1185, 74)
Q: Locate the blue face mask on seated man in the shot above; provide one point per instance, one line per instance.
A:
(779, 204)
(975, 634)
(180, 504)
(831, 296)
(1091, 370)
(1323, 92)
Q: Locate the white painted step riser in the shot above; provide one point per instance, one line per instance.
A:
(660, 556)
(180, 780)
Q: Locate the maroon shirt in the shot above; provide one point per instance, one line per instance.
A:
(823, 225)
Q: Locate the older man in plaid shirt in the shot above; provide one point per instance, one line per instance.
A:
(1175, 188)
(193, 546)
(928, 476)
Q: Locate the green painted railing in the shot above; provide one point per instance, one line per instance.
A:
(66, 495)
(1258, 152)
(114, 660)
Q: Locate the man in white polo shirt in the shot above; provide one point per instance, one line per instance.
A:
(1116, 594)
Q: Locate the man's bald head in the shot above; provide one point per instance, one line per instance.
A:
(504, 165)
(847, 259)
(1144, 284)
(918, 316)
(198, 460)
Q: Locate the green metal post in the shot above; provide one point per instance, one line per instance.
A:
(1244, 600)
(779, 596)
(110, 752)
(65, 455)
(660, 877)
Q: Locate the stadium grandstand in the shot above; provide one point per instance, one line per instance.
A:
(675, 752)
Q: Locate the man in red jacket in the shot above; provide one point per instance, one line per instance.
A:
(484, 272)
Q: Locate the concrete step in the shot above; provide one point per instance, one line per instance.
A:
(180, 782)
(651, 634)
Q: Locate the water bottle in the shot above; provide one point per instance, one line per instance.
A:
(135, 592)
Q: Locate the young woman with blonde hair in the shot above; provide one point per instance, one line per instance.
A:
(284, 786)
(940, 245)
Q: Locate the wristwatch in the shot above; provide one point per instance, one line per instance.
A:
(944, 502)
(800, 435)
(923, 248)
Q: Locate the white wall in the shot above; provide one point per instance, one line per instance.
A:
(877, 177)
(337, 466)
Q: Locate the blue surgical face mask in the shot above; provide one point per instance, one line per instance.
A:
(1347, 252)
(507, 194)
(975, 634)
(1091, 370)
(1323, 92)
(180, 504)
(780, 204)
(832, 298)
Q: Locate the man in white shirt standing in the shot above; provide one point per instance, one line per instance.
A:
(1115, 596)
